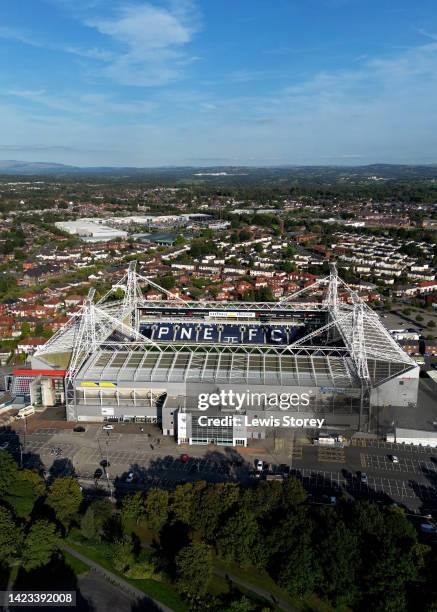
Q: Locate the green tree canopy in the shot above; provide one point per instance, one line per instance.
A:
(240, 539)
(157, 508)
(8, 472)
(132, 508)
(194, 570)
(87, 524)
(40, 545)
(64, 497)
(10, 537)
(24, 491)
(123, 554)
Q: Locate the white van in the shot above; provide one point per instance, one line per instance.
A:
(25, 412)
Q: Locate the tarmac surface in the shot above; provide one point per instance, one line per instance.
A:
(103, 461)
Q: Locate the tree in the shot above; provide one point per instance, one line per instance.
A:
(184, 501)
(7, 283)
(289, 266)
(245, 235)
(40, 545)
(215, 501)
(240, 540)
(157, 508)
(27, 487)
(298, 574)
(390, 558)
(132, 508)
(166, 282)
(103, 511)
(180, 240)
(337, 556)
(123, 554)
(64, 497)
(241, 605)
(194, 570)
(8, 472)
(25, 329)
(10, 537)
(87, 524)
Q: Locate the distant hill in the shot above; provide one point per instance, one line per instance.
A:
(227, 175)
(20, 167)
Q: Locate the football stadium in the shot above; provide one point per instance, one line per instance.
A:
(134, 360)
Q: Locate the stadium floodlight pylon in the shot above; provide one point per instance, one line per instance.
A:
(331, 298)
(169, 294)
(132, 296)
(95, 326)
(318, 283)
(358, 342)
(110, 323)
(85, 340)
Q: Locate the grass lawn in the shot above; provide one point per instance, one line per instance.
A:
(146, 535)
(100, 553)
(218, 585)
(75, 564)
(260, 579)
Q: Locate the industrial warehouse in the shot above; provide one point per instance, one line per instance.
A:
(135, 360)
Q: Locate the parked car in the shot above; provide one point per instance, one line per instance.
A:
(394, 458)
(108, 427)
(79, 429)
(428, 528)
(284, 469)
(363, 478)
(130, 477)
(259, 465)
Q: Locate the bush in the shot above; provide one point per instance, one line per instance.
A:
(141, 571)
(123, 554)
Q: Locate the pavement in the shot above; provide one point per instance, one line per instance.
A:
(125, 592)
(280, 604)
(156, 461)
(100, 595)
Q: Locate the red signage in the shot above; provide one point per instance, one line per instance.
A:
(58, 373)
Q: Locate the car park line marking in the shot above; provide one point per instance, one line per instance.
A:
(296, 451)
(331, 455)
(392, 447)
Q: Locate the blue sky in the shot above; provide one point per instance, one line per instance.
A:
(185, 82)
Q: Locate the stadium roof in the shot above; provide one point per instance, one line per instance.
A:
(264, 368)
(351, 347)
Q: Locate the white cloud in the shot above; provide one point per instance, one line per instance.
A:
(19, 36)
(151, 41)
(29, 39)
(85, 104)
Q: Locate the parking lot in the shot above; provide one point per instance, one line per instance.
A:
(399, 490)
(391, 447)
(405, 464)
(156, 461)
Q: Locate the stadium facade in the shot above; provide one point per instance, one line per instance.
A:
(142, 361)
